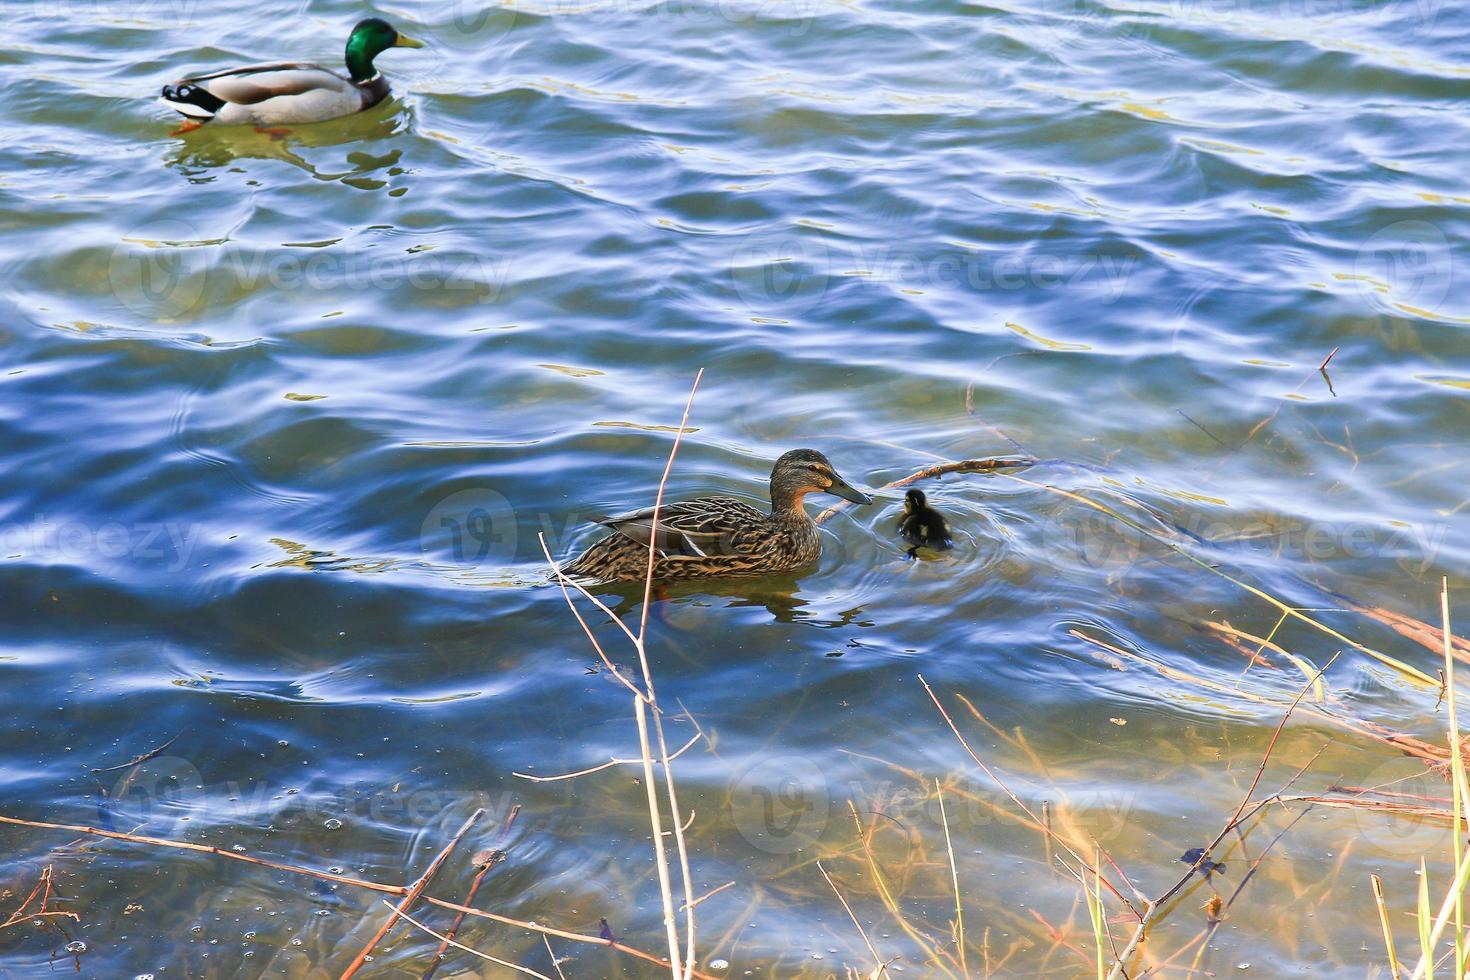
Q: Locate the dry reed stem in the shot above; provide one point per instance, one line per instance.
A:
(412, 896)
(879, 965)
(642, 700)
(563, 581)
(1454, 897)
(954, 874)
(1393, 956)
(1410, 628)
(399, 913)
(655, 822)
(1426, 751)
(376, 886)
(931, 949)
(555, 963)
(680, 845)
(1228, 632)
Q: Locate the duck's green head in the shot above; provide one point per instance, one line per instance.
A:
(804, 471)
(369, 39)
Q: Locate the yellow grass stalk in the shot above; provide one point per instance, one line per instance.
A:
(1393, 956)
(954, 874)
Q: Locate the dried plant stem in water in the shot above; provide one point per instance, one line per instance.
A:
(376, 886)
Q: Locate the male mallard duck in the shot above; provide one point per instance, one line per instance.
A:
(720, 535)
(290, 92)
(922, 525)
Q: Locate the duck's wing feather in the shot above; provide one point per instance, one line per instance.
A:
(700, 527)
(253, 84)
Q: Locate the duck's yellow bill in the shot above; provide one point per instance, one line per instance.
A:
(404, 41)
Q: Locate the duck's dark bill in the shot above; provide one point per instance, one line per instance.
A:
(847, 492)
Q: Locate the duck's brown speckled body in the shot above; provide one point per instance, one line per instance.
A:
(720, 535)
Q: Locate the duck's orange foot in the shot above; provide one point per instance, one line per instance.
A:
(188, 127)
(273, 133)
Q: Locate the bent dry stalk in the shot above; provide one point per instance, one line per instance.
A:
(644, 699)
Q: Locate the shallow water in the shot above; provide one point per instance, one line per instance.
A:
(282, 421)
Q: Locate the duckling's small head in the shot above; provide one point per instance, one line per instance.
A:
(914, 501)
(804, 471)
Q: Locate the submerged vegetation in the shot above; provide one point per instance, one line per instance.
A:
(895, 883)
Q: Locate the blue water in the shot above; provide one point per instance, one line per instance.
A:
(283, 418)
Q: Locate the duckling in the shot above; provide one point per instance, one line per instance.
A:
(922, 525)
(721, 535)
(284, 92)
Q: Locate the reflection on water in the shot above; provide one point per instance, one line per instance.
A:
(279, 457)
(197, 155)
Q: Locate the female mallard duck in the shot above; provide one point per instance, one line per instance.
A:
(720, 535)
(290, 92)
(922, 525)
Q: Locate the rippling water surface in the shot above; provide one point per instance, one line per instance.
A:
(282, 420)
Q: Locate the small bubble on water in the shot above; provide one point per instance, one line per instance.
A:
(1242, 966)
(76, 947)
(282, 742)
(719, 964)
(250, 934)
(143, 976)
(322, 912)
(239, 848)
(332, 823)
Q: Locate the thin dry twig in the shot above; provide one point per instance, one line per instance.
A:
(376, 886)
(954, 874)
(878, 962)
(983, 465)
(42, 888)
(1152, 908)
(484, 861)
(398, 913)
(606, 765)
(138, 760)
(414, 892)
